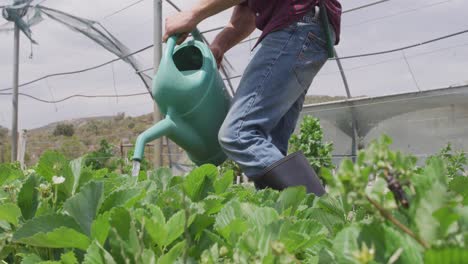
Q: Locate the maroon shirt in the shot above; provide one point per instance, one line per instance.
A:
(277, 14)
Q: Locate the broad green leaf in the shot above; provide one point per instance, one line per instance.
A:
(121, 234)
(28, 197)
(175, 227)
(148, 257)
(52, 164)
(222, 183)
(29, 258)
(100, 227)
(332, 206)
(58, 238)
(124, 197)
(446, 255)
(198, 183)
(157, 215)
(44, 208)
(332, 221)
(213, 204)
(162, 177)
(345, 244)
(84, 205)
(428, 203)
(156, 230)
(45, 224)
(301, 234)
(120, 222)
(447, 217)
(291, 198)
(9, 172)
(10, 213)
(260, 241)
(76, 167)
(387, 241)
(229, 213)
(96, 254)
(215, 238)
(173, 254)
(459, 185)
(259, 216)
(201, 223)
(68, 258)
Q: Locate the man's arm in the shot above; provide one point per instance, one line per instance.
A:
(184, 22)
(242, 24)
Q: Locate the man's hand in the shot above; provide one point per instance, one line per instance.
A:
(182, 24)
(218, 53)
(185, 22)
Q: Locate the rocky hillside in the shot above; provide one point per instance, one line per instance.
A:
(87, 134)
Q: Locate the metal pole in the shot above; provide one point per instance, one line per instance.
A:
(354, 125)
(157, 34)
(14, 127)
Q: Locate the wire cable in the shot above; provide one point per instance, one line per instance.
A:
(122, 9)
(403, 48)
(170, 2)
(80, 71)
(397, 13)
(150, 46)
(76, 96)
(392, 60)
(364, 6)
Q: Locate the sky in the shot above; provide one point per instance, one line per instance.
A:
(389, 25)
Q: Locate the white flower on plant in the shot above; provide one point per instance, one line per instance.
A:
(58, 180)
(30, 171)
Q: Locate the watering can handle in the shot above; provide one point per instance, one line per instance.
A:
(172, 41)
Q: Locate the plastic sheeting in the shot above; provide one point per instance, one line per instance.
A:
(25, 14)
(420, 123)
(16, 12)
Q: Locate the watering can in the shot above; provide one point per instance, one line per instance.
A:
(191, 94)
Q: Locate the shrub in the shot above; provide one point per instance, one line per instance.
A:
(67, 130)
(101, 158)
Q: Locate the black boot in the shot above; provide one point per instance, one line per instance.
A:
(293, 170)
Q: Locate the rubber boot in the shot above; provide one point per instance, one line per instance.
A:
(292, 170)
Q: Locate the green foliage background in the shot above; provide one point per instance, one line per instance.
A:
(310, 141)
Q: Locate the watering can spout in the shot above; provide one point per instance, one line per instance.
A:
(162, 128)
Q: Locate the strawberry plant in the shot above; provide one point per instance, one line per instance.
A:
(63, 211)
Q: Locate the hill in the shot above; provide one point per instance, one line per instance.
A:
(88, 133)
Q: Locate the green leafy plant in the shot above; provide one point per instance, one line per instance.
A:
(63, 211)
(101, 158)
(310, 141)
(456, 161)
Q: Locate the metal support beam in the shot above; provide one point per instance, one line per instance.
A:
(14, 126)
(355, 137)
(157, 34)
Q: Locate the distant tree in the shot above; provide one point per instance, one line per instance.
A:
(67, 130)
(120, 116)
(101, 158)
(93, 127)
(3, 132)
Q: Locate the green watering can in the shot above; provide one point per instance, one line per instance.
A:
(191, 94)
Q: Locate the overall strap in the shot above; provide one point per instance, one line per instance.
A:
(326, 27)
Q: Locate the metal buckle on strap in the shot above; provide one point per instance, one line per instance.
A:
(312, 16)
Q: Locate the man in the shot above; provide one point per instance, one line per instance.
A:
(265, 109)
